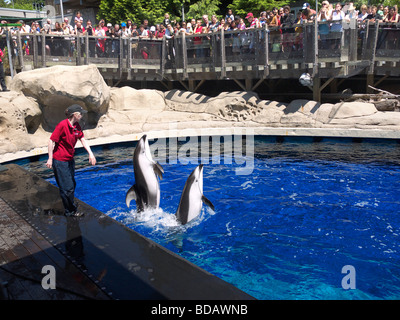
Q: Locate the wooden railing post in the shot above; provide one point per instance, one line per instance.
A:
(371, 69)
(214, 50)
(20, 51)
(87, 59)
(315, 59)
(223, 55)
(129, 60)
(43, 50)
(353, 39)
(266, 45)
(78, 49)
(374, 44)
(184, 56)
(163, 53)
(121, 56)
(35, 51)
(10, 52)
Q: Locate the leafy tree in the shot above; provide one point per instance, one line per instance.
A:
(202, 7)
(154, 10)
(20, 4)
(358, 3)
(117, 11)
(242, 7)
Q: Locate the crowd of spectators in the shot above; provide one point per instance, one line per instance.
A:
(277, 18)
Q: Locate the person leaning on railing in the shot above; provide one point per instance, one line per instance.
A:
(101, 42)
(374, 15)
(392, 34)
(2, 77)
(323, 28)
(287, 21)
(392, 16)
(336, 28)
(116, 33)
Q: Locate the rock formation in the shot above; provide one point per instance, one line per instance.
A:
(38, 98)
(58, 87)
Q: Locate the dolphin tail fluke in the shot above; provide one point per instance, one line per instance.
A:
(207, 202)
(131, 195)
(158, 170)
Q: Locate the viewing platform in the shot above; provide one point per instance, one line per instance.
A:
(247, 57)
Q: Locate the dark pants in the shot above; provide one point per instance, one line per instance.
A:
(2, 77)
(64, 173)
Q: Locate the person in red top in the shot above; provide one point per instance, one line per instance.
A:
(2, 77)
(61, 156)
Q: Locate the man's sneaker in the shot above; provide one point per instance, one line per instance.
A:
(74, 214)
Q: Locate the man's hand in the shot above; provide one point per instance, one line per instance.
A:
(92, 159)
(49, 163)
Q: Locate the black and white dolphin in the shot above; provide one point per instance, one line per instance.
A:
(192, 197)
(146, 190)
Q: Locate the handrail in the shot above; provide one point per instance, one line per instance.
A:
(341, 41)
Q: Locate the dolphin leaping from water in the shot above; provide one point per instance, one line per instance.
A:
(146, 190)
(192, 197)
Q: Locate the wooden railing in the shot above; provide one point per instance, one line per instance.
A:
(321, 49)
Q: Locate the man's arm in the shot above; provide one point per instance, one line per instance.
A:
(49, 163)
(92, 159)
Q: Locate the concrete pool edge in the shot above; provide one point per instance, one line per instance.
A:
(256, 131)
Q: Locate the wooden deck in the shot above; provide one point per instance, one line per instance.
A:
(23, 253)
(248, 57)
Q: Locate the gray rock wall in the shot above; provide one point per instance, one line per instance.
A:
(38, 98)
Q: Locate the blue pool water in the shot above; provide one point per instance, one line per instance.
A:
(286, 230)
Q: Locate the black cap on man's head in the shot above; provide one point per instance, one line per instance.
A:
(74, 108)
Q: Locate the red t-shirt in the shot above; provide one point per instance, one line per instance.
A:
(197, 40)
(65, 136)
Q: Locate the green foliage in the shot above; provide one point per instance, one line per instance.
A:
(198, 9)
(389, 3)
(154, 10)
(117, 11)
(20, 4)
(242, 7)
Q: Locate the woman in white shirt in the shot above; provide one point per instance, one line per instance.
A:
(337, 15)
(336, 27)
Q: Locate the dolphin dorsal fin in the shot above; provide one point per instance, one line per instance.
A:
(207, 202)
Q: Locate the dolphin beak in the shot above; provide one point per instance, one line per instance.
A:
(201, 167)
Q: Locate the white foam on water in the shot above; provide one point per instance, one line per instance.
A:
(158, 220)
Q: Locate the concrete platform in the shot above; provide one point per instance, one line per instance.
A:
(95, 257)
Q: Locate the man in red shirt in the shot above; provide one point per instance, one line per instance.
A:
(2, 81)
(61, 156)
